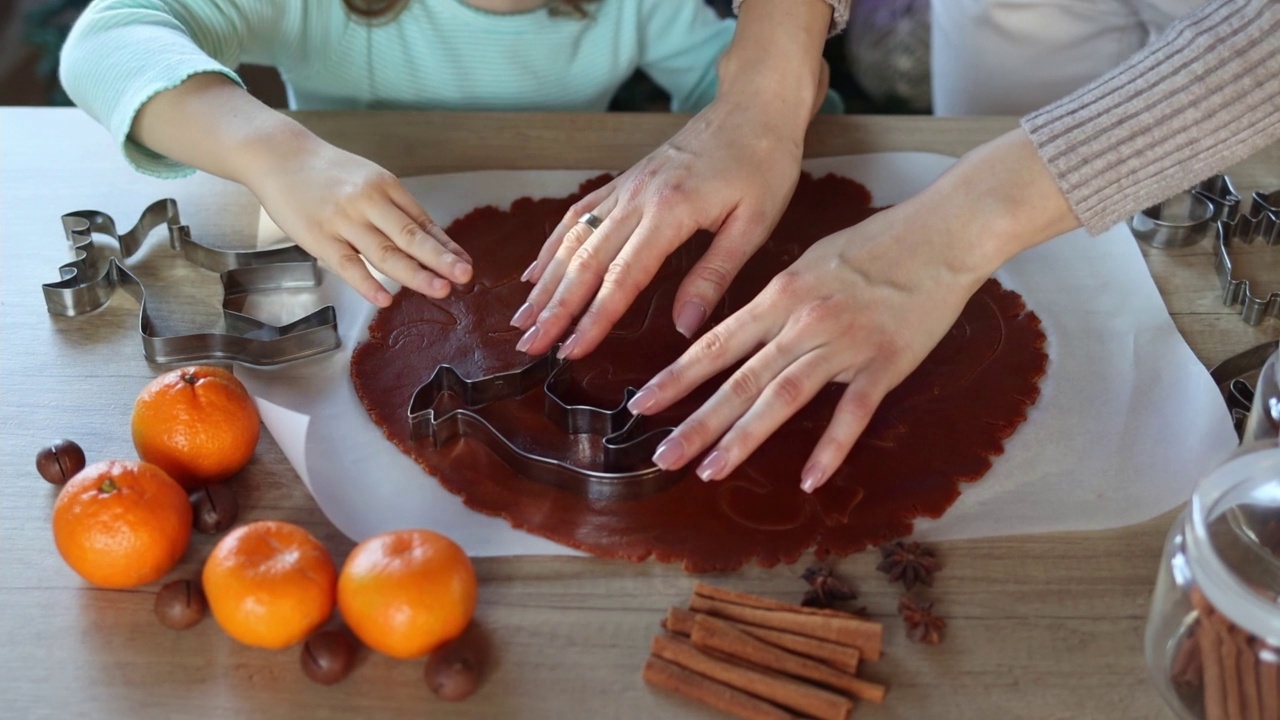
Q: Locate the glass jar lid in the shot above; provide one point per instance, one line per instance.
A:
(1233, 541)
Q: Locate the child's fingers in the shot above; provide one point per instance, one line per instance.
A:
(408, 204)
(385, 255)
(343, 259)
(408, 238)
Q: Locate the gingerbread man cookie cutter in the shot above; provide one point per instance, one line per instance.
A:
(1260, 224)
(627, 470)
(1214, 208)
(90, 280)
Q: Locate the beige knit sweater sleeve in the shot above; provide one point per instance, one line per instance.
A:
(839, 12)
(1202, 96)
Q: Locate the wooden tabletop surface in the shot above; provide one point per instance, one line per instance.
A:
(1046, 626)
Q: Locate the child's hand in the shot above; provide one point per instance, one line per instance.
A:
(340, 207)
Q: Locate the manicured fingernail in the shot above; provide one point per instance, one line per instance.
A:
(568, 346)
(691, 317)
(811, 478)
(669, 453)
(643, 400)
(440, 287)
(523, 315)
(528, 273)
(527, 339)
(712, 467)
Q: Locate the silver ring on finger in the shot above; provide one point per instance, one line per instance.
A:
(591, 220)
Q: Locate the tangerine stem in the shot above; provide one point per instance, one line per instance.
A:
(108, 486)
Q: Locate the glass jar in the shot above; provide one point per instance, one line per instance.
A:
(1213, 634)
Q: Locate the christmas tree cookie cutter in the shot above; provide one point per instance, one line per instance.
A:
(1260, 224)
(90, 280)
(626, 468)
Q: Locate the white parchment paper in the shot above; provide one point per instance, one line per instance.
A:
(1126, 422)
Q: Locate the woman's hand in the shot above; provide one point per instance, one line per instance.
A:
(863, 307)
(859, 307)
(344, 210)
(730, 170)
(709, 176)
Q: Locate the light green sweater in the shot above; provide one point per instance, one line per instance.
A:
(438, 54)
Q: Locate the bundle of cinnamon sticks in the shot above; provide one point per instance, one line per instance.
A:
(761, 659)
(1237, 672)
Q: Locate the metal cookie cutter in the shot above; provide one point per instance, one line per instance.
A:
(89, 281)
(1260, 224)
(627, 470)
(1237, 377)
(1188, 217)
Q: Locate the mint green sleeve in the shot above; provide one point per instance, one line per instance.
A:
(121, 53)
(682, 44)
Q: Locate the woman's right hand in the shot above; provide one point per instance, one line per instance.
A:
(344, 209)
(863, 307)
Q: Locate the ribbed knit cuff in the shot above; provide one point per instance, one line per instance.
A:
(1202, 96)
(839, 14)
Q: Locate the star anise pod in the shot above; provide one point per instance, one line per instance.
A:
(909, 562)
(825, 590)
(922, 625)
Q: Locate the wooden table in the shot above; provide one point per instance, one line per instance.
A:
(1046, 626)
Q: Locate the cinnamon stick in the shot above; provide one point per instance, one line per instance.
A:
(755, 601)
(1186, 670)
(673, 678)
(1250, 703)
(787, 692)
(719, 636)
(865, 635)
(1268, 678)
(1215, 700)
(1230, 669)
(842, 657)
(1211, 662)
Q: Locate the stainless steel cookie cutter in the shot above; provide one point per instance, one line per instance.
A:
(1188, 217)
(627, 470)
(1260, 224)
(88, 282)
(1237, 378)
